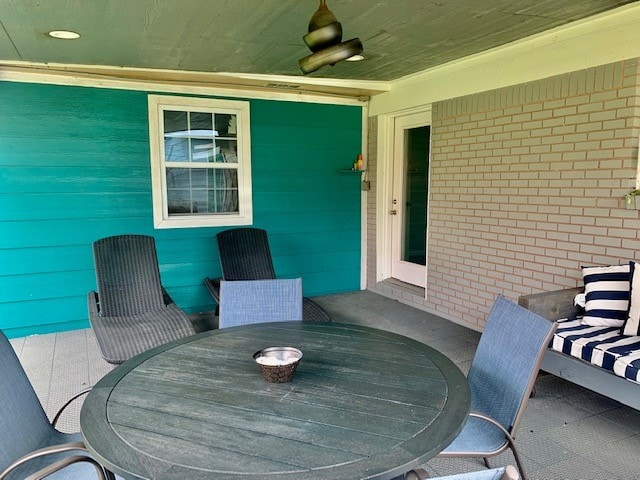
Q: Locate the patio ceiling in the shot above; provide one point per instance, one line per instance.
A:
(251, 37)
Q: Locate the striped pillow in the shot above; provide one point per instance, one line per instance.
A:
(607, 295)
(632, 325)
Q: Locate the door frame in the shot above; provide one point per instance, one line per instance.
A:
(384, 196)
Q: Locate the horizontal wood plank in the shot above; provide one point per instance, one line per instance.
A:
(363, 403)
(76, 168)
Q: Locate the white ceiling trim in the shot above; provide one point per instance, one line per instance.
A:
(373, 85)
(268, 87)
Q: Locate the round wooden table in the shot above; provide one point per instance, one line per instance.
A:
(364, 403)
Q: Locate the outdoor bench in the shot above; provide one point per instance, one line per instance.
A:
(600, 359)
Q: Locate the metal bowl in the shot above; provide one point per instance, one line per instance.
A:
(278, 364)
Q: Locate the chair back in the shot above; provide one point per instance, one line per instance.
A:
(127, 275)
(23, 423)
(507, 361)
(259, 301)
(245, 254)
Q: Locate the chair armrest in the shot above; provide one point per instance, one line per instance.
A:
(93, 302)
(166, 298)
(495, 423)
(93, 305)
(66, 404)
(213, 286)
(552, 305)
(65, 462)
(63, 447)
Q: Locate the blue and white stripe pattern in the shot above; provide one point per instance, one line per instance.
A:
(632, 325)
(604, 347)
(607, 295)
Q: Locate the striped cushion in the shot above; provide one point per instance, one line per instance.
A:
(632, 324)
(604, 347)
(628, 367)
(607, 295)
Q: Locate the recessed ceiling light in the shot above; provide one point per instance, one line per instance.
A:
(355, 58)
(64, 34)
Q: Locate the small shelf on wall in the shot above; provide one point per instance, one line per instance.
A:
(350, 170)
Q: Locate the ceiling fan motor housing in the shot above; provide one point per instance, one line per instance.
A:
(323, 37)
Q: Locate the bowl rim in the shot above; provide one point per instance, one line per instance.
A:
(261, 352)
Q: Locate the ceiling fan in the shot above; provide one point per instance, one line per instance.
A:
(325, 41)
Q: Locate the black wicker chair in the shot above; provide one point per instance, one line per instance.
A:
(131, 312)
(245, 255)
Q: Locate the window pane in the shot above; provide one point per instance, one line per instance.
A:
(176, 141)
(179, 201)
(175, 122)
(223, 192)
(176, 149)
(201, 124)
(178, 178)
(216, 151)
(201, 136)
(202, 191)
(201, 177)
(416, 172)
(226, 125)
(228, 151)
(202, 150)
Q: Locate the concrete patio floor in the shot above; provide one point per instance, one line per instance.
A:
(567, 433)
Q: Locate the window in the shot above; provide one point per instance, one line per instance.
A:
(200, 162)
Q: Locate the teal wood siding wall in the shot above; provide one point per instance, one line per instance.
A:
(74, 167)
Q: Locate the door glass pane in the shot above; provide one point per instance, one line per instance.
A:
(416, 181)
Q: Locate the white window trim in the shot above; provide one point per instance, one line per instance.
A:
(161, 218)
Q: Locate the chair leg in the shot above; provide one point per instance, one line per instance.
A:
(509, 438)
(417, 474)
(486, 462)
(516, 455)
(510, 473)
(109, 475)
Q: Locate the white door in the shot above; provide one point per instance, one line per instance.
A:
(409, 198)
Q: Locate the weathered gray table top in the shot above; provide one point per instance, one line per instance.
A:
(364, 403)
